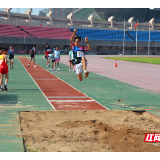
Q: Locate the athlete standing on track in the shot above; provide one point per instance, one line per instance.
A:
(47, 52)
(51, 57)
(3, 68)
(70, 61)
(57, 58)
(79, 60)
(11, 56)
(32, 55)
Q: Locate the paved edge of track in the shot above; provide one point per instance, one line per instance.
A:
(67, 97)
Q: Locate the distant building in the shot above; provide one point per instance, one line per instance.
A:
(58, 12)
(43, 12)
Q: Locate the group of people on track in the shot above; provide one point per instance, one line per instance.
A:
(76, 59)
(54, 57)
(76, 56)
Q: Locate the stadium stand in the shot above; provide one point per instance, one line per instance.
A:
(12, 31)
(34, 32)
(117, 35)
(65, 33)
(48, 32)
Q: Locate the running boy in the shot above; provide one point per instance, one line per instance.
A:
(11, 56)
(32, 55)
(3, 68)
(79, 60)
(57, 58)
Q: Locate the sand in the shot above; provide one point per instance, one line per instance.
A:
(88, 131)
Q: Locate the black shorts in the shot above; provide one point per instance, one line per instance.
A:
(53, 60)
(11, 56)
(32, 55)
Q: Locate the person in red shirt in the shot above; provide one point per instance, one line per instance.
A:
(47, 52)
(3, 68)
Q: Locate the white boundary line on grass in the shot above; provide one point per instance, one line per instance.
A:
(38, 86)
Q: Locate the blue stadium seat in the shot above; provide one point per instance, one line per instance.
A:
(117, 35)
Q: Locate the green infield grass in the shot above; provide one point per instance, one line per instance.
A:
(151, 60)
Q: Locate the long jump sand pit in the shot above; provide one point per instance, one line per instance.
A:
(88, 131)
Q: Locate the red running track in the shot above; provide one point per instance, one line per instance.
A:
(60, 95)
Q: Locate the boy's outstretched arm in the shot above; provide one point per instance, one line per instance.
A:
(88, 45)
(72, 37)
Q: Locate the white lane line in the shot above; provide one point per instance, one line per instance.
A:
(46, 79)
(72, 101)
(38, 86)
(67, 97)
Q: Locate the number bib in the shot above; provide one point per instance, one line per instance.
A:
(80, 54)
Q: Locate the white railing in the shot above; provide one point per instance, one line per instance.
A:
(84, 23)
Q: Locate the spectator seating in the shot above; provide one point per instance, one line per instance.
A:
(48, 32)
(12, 31)
(65, 33)
(117, 35)
(34, 32)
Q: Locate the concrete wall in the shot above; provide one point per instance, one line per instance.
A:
(12, 40)
(106, 46)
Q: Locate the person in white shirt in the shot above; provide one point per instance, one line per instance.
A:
(70, 61)
(57, 58)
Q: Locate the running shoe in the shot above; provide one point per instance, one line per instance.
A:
(59, 69)
(28, 65)
(86, 74)
(69, 69)
(1, 89)
(5, 87)
(51, 69)
(35, 66)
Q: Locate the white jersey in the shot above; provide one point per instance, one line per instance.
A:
(51, 56)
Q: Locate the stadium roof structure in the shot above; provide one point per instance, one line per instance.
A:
(84, 13)
(89, 20)
(140, 14)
